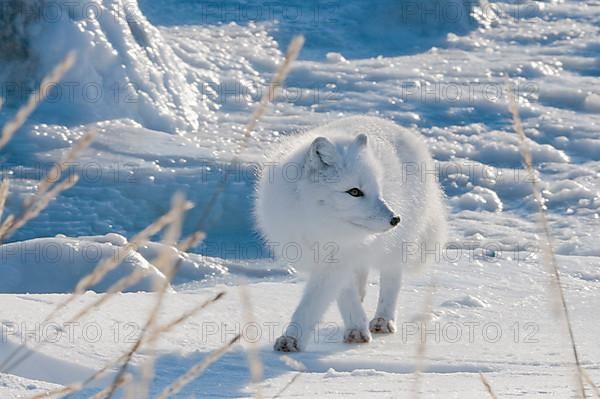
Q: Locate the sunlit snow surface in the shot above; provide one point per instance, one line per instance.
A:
(199, 80)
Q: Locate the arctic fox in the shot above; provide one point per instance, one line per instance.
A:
(350, 195)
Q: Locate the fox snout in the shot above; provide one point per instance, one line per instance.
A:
(387, 217)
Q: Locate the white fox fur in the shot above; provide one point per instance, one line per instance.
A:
(304, 202)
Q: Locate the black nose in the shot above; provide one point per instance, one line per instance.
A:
(395, 220)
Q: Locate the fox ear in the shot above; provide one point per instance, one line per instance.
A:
(359, 144)
(322, 157)
(361, 140)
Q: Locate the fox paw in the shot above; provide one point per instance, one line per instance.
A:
(357, 336)
(381, 325)
(286, 344)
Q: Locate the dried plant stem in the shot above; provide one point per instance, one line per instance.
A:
(488, 386)
(103, 393)
(3, 196)
(129, 280)
(94, 377)
(280, 75)
(421, 348)
(139, 239)
(190, 313)
(254, 362)
(46, 191)
(71, 156)
(96, 275)
(296, 365)
(10, 225)
(546, 243)
(167, 261)
(35, 98)
(284, 69)
(591, 383)
(196, 370)
(78, 386)
(170, 263)
(286, 386)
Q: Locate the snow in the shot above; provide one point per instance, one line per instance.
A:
(55, 265)
(198, 76)
(467, 301)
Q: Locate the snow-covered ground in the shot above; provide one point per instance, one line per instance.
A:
(176, 86)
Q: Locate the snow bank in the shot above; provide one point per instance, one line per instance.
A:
(125, 68)
(468, 301)
(479, 198)
(14, 386)
(55, 265)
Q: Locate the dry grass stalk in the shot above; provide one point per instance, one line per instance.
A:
(168, 262)
(191, 240)
(591, 383)
(131, 279)
(103, 393)
(78, 386)
(96, 275)
(286, 386)
(185, 316)
(115, 288)
(421, 348)
(71, 156)
(45, 395)
(488, 386)
(3, 196)
(165, 261)
(100, 271)
(31, 211)
(296, 365)
(196, 370)
(46, 191)
(4, 226)
(284, 69)
(139, 239)
(254, 362)
(44, 195)
(280, 75)
(98, 374)
(546, 243)
(35, 98)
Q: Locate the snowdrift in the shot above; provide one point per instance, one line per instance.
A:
(125, 68)
(56, 264)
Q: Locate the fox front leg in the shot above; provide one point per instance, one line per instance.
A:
(384, 321)
(321, 289)
(352, 311)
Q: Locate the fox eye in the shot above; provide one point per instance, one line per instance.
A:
(355, 192)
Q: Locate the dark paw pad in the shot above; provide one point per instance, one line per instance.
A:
(357, 336)
(380, 325)
(286, 344)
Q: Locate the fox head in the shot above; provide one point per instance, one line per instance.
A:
(342, 189)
